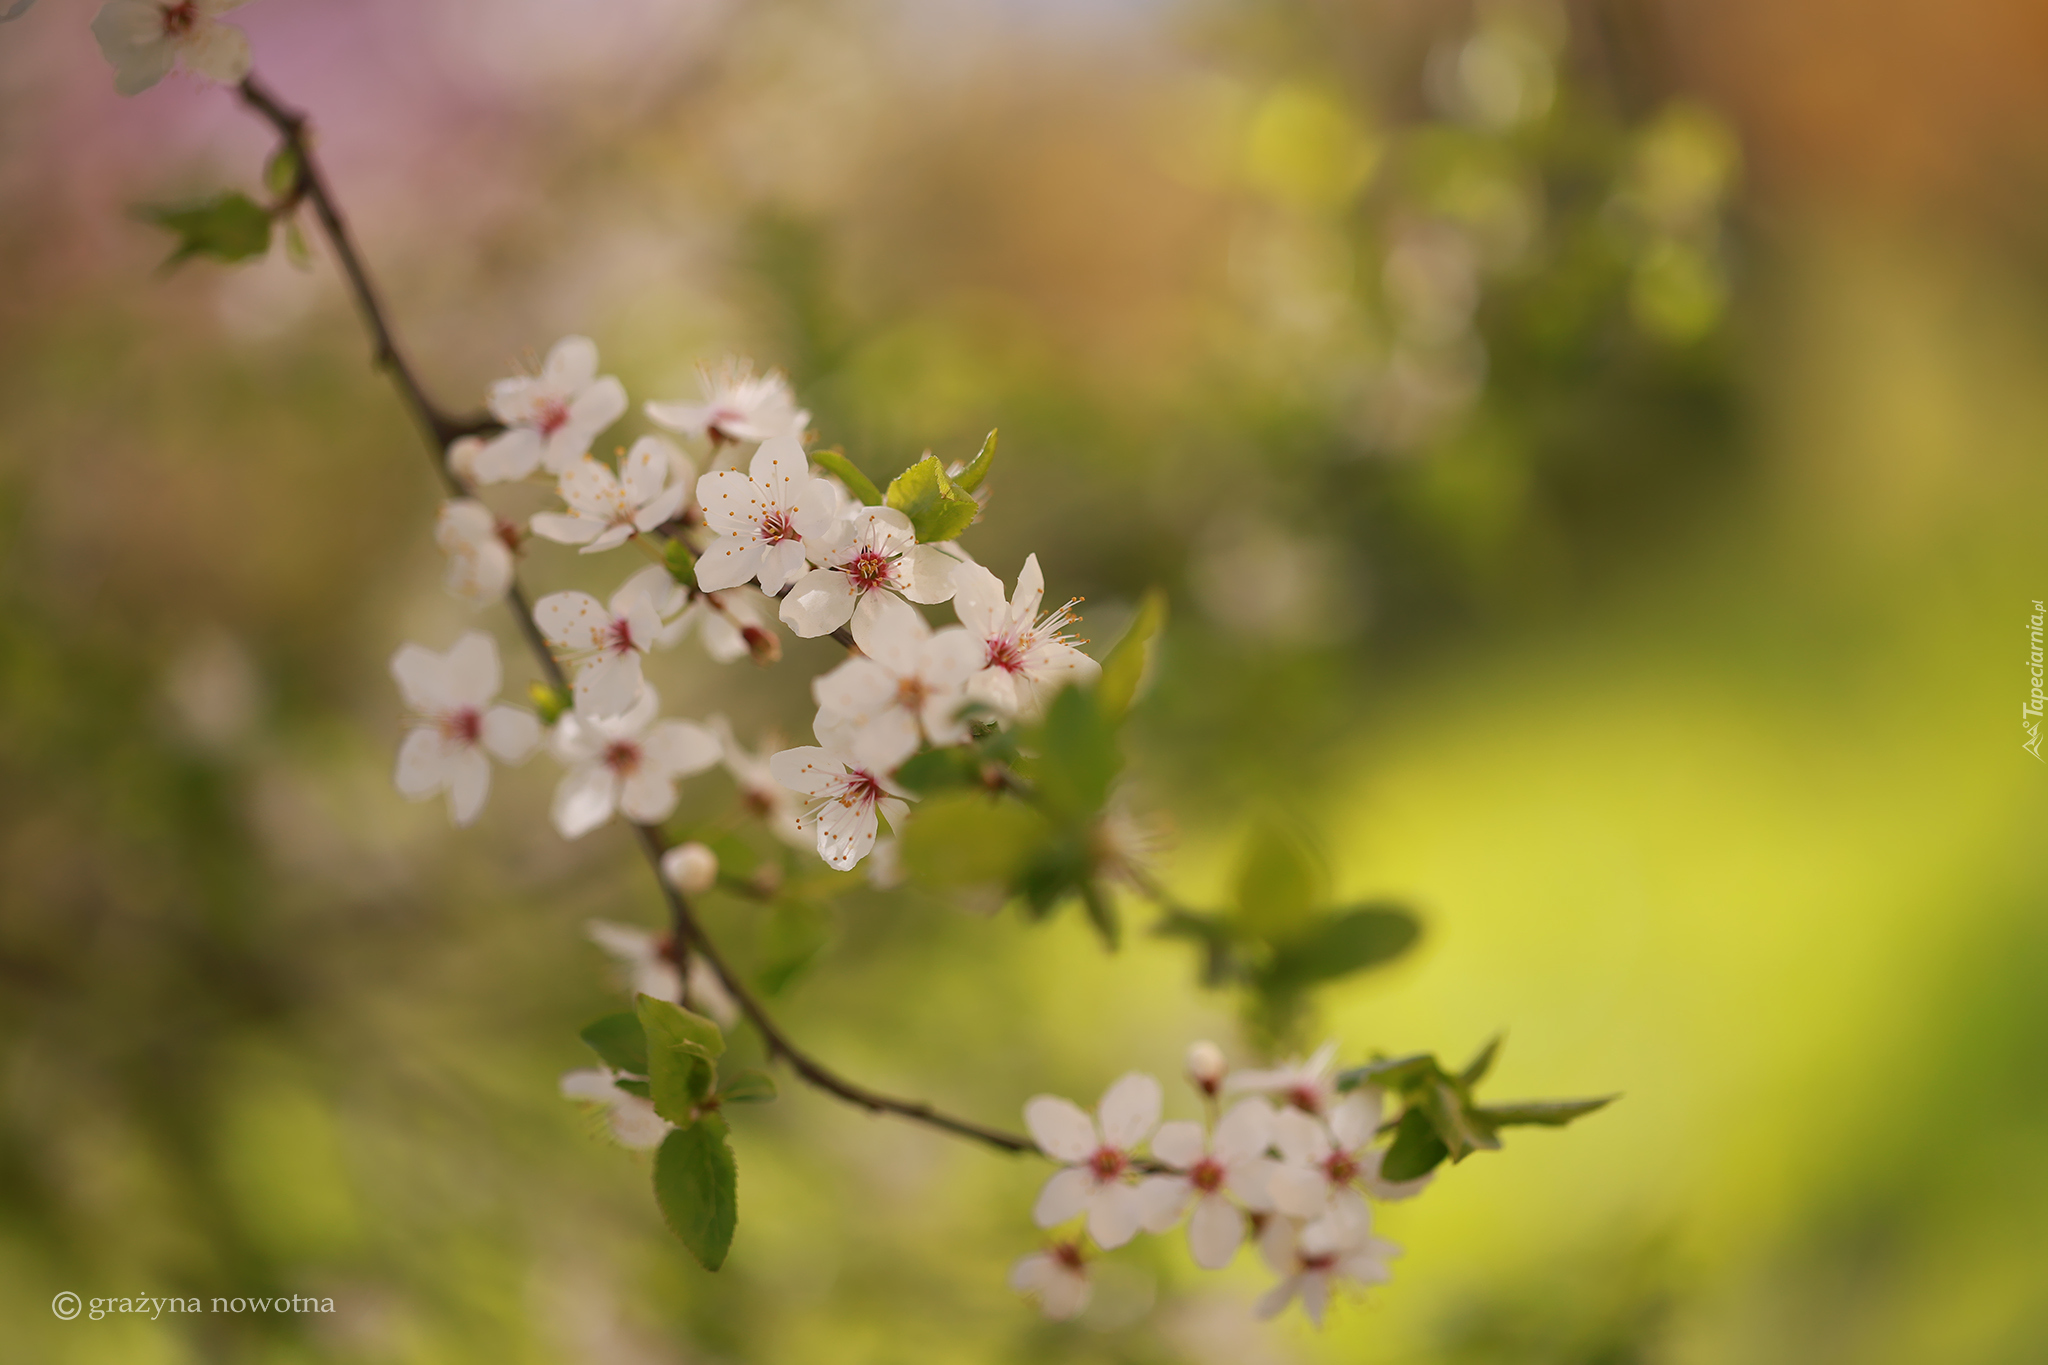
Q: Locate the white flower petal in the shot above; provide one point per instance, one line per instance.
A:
(1214, 1232)
(422, 767)
(1355, 1120)
(680, 748)
(818, 603)
(585, 799)
(809, 770)
(648, 797)
(469, 781)
(510, 455)
(608, 686)
(1063, 1196)
(1299, 1191)
(473, 675)
(572, 620)
(1179, 1144)
(1130, 1110)
(1113, 1215)
(1061, 1128)
(1244, 1132)
(422, 678)
(1161, 1201)
(1300, 1138)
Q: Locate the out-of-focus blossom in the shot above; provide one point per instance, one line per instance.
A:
(1209, 1172)
(690, 868)
(1312, 1260)
(1327, 1166)
(628, 763)
(1095, 1178)
(606, 643)
(144, 39)
(738, 406)
(479, 550)
(1308, 1085)
(1057, 1277)
(454, 723)
(633, 1120)
(550, 418)
(753, 773)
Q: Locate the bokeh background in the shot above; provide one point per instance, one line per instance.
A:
(1594, 453)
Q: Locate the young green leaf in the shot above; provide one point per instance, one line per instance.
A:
(748, 1087)
(682, 1054)
(937, 509)
(1279, 883)
(295, 249)
(1476, 1069)
(633, 1087)
(835, 463)
(697, 1185)
(1102, 913)
(620, 1041)
(229, 227)
(1446, 1110)
(970, 478)
(1078, 756)
(1124, 670)
(1416, 1151)
(965, 838)
(1341, 944)
(1222, 962)
(1392, 1073)
(1539, 1113)
(281, 172)
(681, 564)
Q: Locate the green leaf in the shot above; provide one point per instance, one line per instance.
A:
(937, 770)
(281, 172)
(835, 463)
(1416, 1150)
(1078, 756)
(697, 1185)
(1392, 1073)
(937, 509)
(620, 1041)
(682, 565)
(748, 1087)
(1446, 1110)
(551, 702)
(682, 1053)
(970, 478)
(1341, 944)
(962, 839)
(1476, 1069)
(231, 227)
(1538, 1113)
(1124, 670)
(1221, 960)
(632, 1087)
(1102, 913)
(795, 937)
(1279, 883)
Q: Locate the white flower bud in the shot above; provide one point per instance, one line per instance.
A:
(690, 868)
(1207, 1066)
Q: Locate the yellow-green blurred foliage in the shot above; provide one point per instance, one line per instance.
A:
(1595, 455)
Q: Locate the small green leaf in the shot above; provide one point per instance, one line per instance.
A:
(697, 1185)
(1078, 756)
(748, 1087)
(1341, 944)
(936, 508)
(682, 565)
(970, 478)
(551, 702)
(1279, 883)
(1416, 1150)
(937, 770)
(1446, 1110)
(1221, 960)
(1392, 1073)
(682, 1054)
(1124, 670)
(963, 839)
(633, 1087)
(670, 1025)
(231, 227)
(1476, 1069)
(835, 463)
(1102, 913)
(620, 1041)
(1538, 1113)
(281, 172)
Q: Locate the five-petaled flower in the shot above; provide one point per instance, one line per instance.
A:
(1313, 1259)
(1096, 1178)
(605, 509)
(454, 723)
(628, 763)
(1057, 1277)
(479, 550)
(1210, 1172)
(144, 39)
(752, 771)
(738, 406)
(1309, 1086)
(1023, 658)
(874, 554)
(605, 643)
(908, 681)
(550, 418)
(766, 519)
(1327, 1167)
(842, 795)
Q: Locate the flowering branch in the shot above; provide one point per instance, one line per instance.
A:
(440, 428)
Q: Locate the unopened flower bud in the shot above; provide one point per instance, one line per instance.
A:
(1207, 1067)
(761, 643)
(690, 868)
(551, 702)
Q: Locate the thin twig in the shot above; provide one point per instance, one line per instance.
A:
(439, 429)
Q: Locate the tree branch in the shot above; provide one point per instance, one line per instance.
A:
(439, 429)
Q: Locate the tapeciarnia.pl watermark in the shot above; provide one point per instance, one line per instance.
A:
(68, 1305)
(2030, 714)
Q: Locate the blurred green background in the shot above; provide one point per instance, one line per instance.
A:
(1593, 451)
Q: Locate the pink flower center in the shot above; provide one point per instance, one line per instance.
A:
(720, 417)
(776, 528)
(1321, 1260)
(619, 637)
(912, 693)
(1306, 1098)
(462, 727)
(180, 18)
(860, 788)
(622, 756)
(1006, 654)
(1341, 1167)
(868, 570)
(1068, 1254)
(1108, 1163)
(1206, 1175)
(551, 416)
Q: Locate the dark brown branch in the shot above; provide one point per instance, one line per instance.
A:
(439, 429)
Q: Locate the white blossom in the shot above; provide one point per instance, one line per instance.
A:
(1057, 1277)
(454, 724)
(462, 453)
(767, 519)
(909, 681)
(1024, 658)
(842, 795)
(650, 967)
(1210, 1172)
(752, 772)
(728, 626)
(1312, 1260)
(628, 763)
(690, 868)
(1327, 1167)
(737, 406)
(634, 1122)
(605, 509)
(1309, 1085)
(605, 643)
(550, 418)
(144, 39)
(1095, 1178)
(874, 553)
(479, 550)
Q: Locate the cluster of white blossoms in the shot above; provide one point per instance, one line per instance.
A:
(773, 531)
(1290, 1165)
